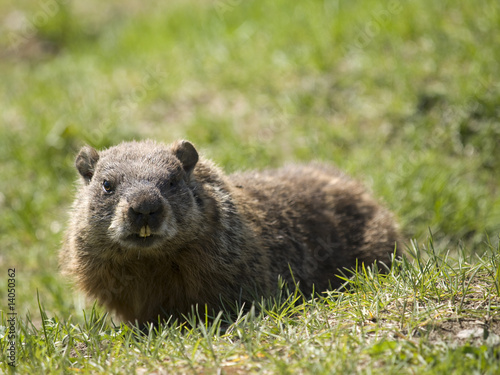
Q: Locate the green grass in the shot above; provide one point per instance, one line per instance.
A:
(432, 315)
(404, 95)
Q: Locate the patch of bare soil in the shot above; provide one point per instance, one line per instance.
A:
(478, 321)
(79, 350)
(463, 330)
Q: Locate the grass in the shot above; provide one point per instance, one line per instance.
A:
(402, 95)
(429, 315)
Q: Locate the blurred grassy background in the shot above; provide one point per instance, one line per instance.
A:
(404, 95)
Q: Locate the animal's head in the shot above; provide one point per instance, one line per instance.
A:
(138, 195)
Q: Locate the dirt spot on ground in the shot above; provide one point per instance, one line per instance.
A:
(464, 330)
(79, 350)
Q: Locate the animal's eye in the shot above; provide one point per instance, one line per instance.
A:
(107, 186)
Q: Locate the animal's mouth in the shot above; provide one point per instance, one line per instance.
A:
(136, 241)
(143, 239)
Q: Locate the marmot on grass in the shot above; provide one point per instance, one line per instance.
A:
(156, 230)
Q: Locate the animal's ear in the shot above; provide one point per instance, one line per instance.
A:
(85, 162)
(186, 153)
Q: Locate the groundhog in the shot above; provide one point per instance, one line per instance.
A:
(157, 231)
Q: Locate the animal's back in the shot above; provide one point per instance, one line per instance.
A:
(315, 220)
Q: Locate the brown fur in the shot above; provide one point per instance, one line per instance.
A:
(214, 239)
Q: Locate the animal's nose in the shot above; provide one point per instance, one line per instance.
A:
(145, 208)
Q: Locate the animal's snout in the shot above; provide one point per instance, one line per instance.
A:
(145, 210)
(146, 207)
